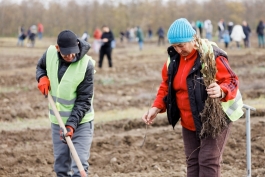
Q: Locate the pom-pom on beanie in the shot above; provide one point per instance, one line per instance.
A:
(180, 31)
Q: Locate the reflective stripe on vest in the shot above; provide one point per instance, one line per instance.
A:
(232, 108)
(63, 101)
(66, 113)
(64, 93)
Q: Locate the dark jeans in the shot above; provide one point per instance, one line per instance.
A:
(105, 51)
(204, 156)
(261, 40)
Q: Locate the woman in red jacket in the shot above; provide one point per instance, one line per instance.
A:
(182, 94)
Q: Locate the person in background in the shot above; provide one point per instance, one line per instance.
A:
(85, 36)
(161, 36)
(131, 34)
(247, 31)
(67, 73)
(22, 35)
(226, 38)
(21, 39)
(221, 29)
(184, 99)
(238, 35)
(208, 29)
(193, 24)
(199, 25)
(122, 34)
(260, 32)
(106, 46)
(21, 30)
(97, 40)
(230, 27)
(40, 31)
(140, 36)
(127, 34)
(28, 35)
(32, 35)
(150, 33)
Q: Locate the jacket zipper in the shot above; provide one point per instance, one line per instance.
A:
(181, 79)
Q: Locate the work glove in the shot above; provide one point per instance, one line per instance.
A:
(70, 133)
(44, 85)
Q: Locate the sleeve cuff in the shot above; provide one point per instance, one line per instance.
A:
(70, 124)
(223, 95)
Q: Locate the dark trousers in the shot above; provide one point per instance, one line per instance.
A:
(226, 45)
(64, 165)
(102, 52)
(237, 44)
(246, 42)
(161, 39)
(204, 156)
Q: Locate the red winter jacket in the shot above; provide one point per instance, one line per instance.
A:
(97, 34)
(225, 77)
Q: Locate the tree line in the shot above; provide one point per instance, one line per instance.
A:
(86, 15)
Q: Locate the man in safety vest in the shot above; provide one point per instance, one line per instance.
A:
(68, 74)
(182, 94)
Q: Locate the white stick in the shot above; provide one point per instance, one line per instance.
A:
(68, 139)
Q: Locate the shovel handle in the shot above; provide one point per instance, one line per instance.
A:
(68, 139)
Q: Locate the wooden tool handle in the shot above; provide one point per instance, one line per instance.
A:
(68, 139)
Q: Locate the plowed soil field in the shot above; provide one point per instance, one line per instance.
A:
(122, 95)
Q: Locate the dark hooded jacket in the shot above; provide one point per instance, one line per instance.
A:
(260, 28)
(109, 36)
(84, 89)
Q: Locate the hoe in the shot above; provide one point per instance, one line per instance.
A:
(68, 139)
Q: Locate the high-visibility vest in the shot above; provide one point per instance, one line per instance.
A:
(232, 108)
(64, 93)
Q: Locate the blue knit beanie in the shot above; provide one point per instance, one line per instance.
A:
(180, 31)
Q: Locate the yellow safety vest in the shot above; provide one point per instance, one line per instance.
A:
(64, 93)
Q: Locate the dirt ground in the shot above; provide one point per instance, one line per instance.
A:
(132, 83)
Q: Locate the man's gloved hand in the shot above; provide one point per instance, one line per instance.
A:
(70, 133)
(44, 85)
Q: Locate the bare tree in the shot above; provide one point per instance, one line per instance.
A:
(87, 15)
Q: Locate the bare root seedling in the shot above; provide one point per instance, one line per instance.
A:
(213, 117)
(144, 136)
(146, 126)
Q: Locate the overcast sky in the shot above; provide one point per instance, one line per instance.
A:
(86, 1)
(124, 1)
(19, 1)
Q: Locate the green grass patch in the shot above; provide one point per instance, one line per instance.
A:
(12, 89)
(100, 117)
(257, 103)
(22, 124)
(7, 89)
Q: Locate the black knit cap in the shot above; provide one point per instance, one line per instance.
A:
(67, 41)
